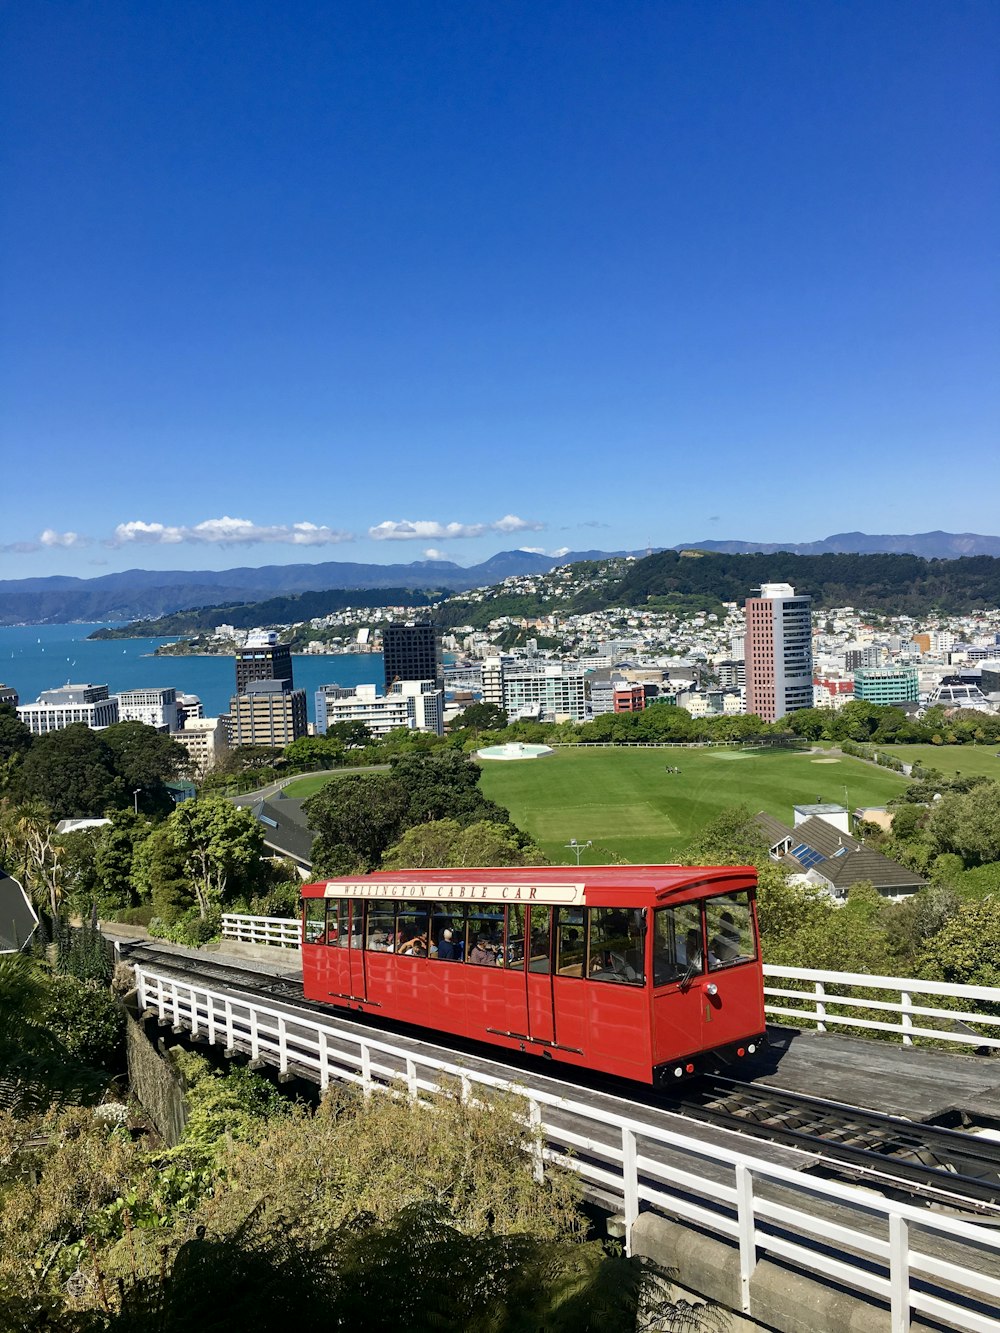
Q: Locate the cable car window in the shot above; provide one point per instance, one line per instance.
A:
(617, 942)
(485, 935)
(337, 922)
(729, 923)
(677, 943)
(540, 941)
(515, 937)
(448, 932)
(314, 922)
(381, 934)
(412, 930)
(570, 941)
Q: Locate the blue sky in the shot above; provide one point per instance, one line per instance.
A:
(361, 282)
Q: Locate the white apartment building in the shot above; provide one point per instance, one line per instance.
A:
(155, 708)
(558, 693)
(55, 709)
(189, 706)
(414, 704)
(206, 740)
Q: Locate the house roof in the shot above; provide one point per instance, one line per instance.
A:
(17, 916)
(835, 856)
(286, 832)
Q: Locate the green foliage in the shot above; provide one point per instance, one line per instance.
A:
(86, 1020)
(355, 819)
(146, 760)
(223, 1108)
(221, 846)
(445, 843)
(966, 950)
(73, 772)
(158, 875)
(482, 717)
(968, 824)
(190, 927)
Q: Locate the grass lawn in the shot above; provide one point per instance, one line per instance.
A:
(300, 788)
(972, 761)
(626, 803)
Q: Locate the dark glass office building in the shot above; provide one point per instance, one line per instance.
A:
(413, 652)
(271, 661)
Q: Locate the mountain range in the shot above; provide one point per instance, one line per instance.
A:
(142, 593)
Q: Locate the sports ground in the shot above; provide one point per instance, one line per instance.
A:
(627, 804)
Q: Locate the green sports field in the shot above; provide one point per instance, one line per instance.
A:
(626, 802)
(971, 761)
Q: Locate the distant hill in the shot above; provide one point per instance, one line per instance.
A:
(931, 545)
(142, 594)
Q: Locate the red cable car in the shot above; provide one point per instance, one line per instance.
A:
(648, 972)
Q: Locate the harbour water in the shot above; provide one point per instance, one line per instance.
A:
(41, 657)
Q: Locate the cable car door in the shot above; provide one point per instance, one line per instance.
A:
(356, 953)
(538, 975)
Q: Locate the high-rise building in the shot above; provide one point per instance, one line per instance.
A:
(413, 652)
(778, 652)
(263, 658)
(270, 712)
(413, 704)
(155, 707)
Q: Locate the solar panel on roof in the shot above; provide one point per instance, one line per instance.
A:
(807, 856)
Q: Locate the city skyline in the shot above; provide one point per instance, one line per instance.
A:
(265, 274)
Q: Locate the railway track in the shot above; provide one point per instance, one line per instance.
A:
(951, 1169)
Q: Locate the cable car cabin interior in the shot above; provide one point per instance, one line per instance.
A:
(648, 972)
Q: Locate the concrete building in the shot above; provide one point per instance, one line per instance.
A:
(189, 706)
(55, 709)
(887, 685)
(155, 708)
(778, 652)
(416, 705)
(855, 659)
(206, 740)
(628, 697)
(555, 694)
(271, 712)
(413, 652)
(263, 658)
(8, 695)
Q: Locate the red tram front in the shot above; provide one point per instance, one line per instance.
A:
(652, 973)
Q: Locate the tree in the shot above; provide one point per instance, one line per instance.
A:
(221, 845)
(355, 819)
(114, 859)
(43, 855)
(315, 751)
(146, 760)
(483, 717)
(73, 772)
(354, 735)
(444, 785)
(966, 950)
(969, 824)
(445, 843)
(158, 874)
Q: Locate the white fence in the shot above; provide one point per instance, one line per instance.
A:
(284, 932)
(824, 1001)
(836, 1233)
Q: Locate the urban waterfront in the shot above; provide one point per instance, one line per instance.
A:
(41, 657)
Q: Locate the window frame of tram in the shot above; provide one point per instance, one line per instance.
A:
(314, 920)
(587, 948)
(675, 926)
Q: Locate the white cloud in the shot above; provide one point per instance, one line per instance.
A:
(65, 539)
(226, 531)
(432, 553)
(533, 550)
(560, 551)
(405, 529)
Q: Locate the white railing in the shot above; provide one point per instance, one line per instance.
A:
(284, 932)
(826, 1002)
(855, 1238)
